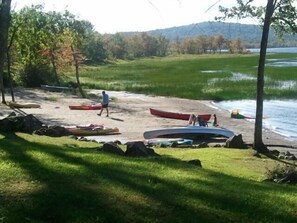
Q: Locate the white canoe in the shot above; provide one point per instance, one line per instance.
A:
(188, 132)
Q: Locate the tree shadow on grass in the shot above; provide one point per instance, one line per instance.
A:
(70, 184)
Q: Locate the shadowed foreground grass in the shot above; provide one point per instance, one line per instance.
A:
(45, 179)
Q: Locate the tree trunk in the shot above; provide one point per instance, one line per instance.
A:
(4, 25)
(53, 61)
(13, 33)
(258, 141)
(77, 72)
(9, 73)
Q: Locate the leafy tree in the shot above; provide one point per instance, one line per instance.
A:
(236, 46)
(94, 48)
(162, 47)
(41, 43)
(135, 48)
(74, 36)
(219, 42)
(4, 26)
(177, 45)
(212, 44)
(149, 44)
(31, 32)
(281, 15)
(188, 46)
(202, 44)
(117, 46)
(52, 40)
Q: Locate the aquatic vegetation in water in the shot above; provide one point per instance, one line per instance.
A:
(282, 85)
(211, 71)
(210, 90)
(269, 83)
(234, 77)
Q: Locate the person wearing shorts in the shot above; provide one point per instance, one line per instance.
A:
(104, 104)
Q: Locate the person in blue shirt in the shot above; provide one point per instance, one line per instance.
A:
(105, 101)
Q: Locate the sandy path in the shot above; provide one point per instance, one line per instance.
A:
(130, 113)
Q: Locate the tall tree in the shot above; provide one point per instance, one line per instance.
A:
(219, 41)
(4, 25)
(52, 39)
(30, 35)
(162, 47)
(74, 36)
(117, 45)
(281, 14)
(94, 48)
(149, 44)
(236, 46)
(11, 36)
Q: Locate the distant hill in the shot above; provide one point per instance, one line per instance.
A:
(250, 34)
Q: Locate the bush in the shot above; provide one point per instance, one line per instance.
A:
(282, 174)
(35, 75)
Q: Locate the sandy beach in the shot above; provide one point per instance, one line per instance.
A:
(130, 113)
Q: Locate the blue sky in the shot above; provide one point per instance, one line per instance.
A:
(111, 16)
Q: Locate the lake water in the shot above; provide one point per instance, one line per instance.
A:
(276, 50)
(280, 116)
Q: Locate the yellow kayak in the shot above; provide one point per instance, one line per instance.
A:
(92, 132)
(23, 105)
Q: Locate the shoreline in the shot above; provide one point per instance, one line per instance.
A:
(279, 116)
(130, 113)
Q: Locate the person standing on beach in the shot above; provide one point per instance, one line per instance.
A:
(215, 121)
(104, 104)
(192, 119)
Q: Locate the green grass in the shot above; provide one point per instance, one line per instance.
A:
(51, 98)
(45, 179)
(184, 76)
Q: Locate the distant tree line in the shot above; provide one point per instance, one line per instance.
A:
(42, 44)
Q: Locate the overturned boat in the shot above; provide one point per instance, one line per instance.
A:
(189, 132)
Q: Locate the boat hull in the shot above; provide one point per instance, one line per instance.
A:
(56, 88)
(23, 105)
(175, 115)
(93, 132)
(85, 107)
(188, 132)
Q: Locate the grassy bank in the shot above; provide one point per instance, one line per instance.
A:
(45, 179)
(214, 77)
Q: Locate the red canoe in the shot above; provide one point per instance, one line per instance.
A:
(85, 107)
(175, 115)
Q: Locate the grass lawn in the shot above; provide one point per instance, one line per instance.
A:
(45, 179)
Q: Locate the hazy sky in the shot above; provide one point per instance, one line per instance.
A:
(110, 16)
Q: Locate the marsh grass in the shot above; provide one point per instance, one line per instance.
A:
(192, 76)
(45, 179)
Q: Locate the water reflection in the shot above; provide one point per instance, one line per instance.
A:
(211, 71)
(283, 85)
(234, 77)
(283, 64)
(276, 50)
